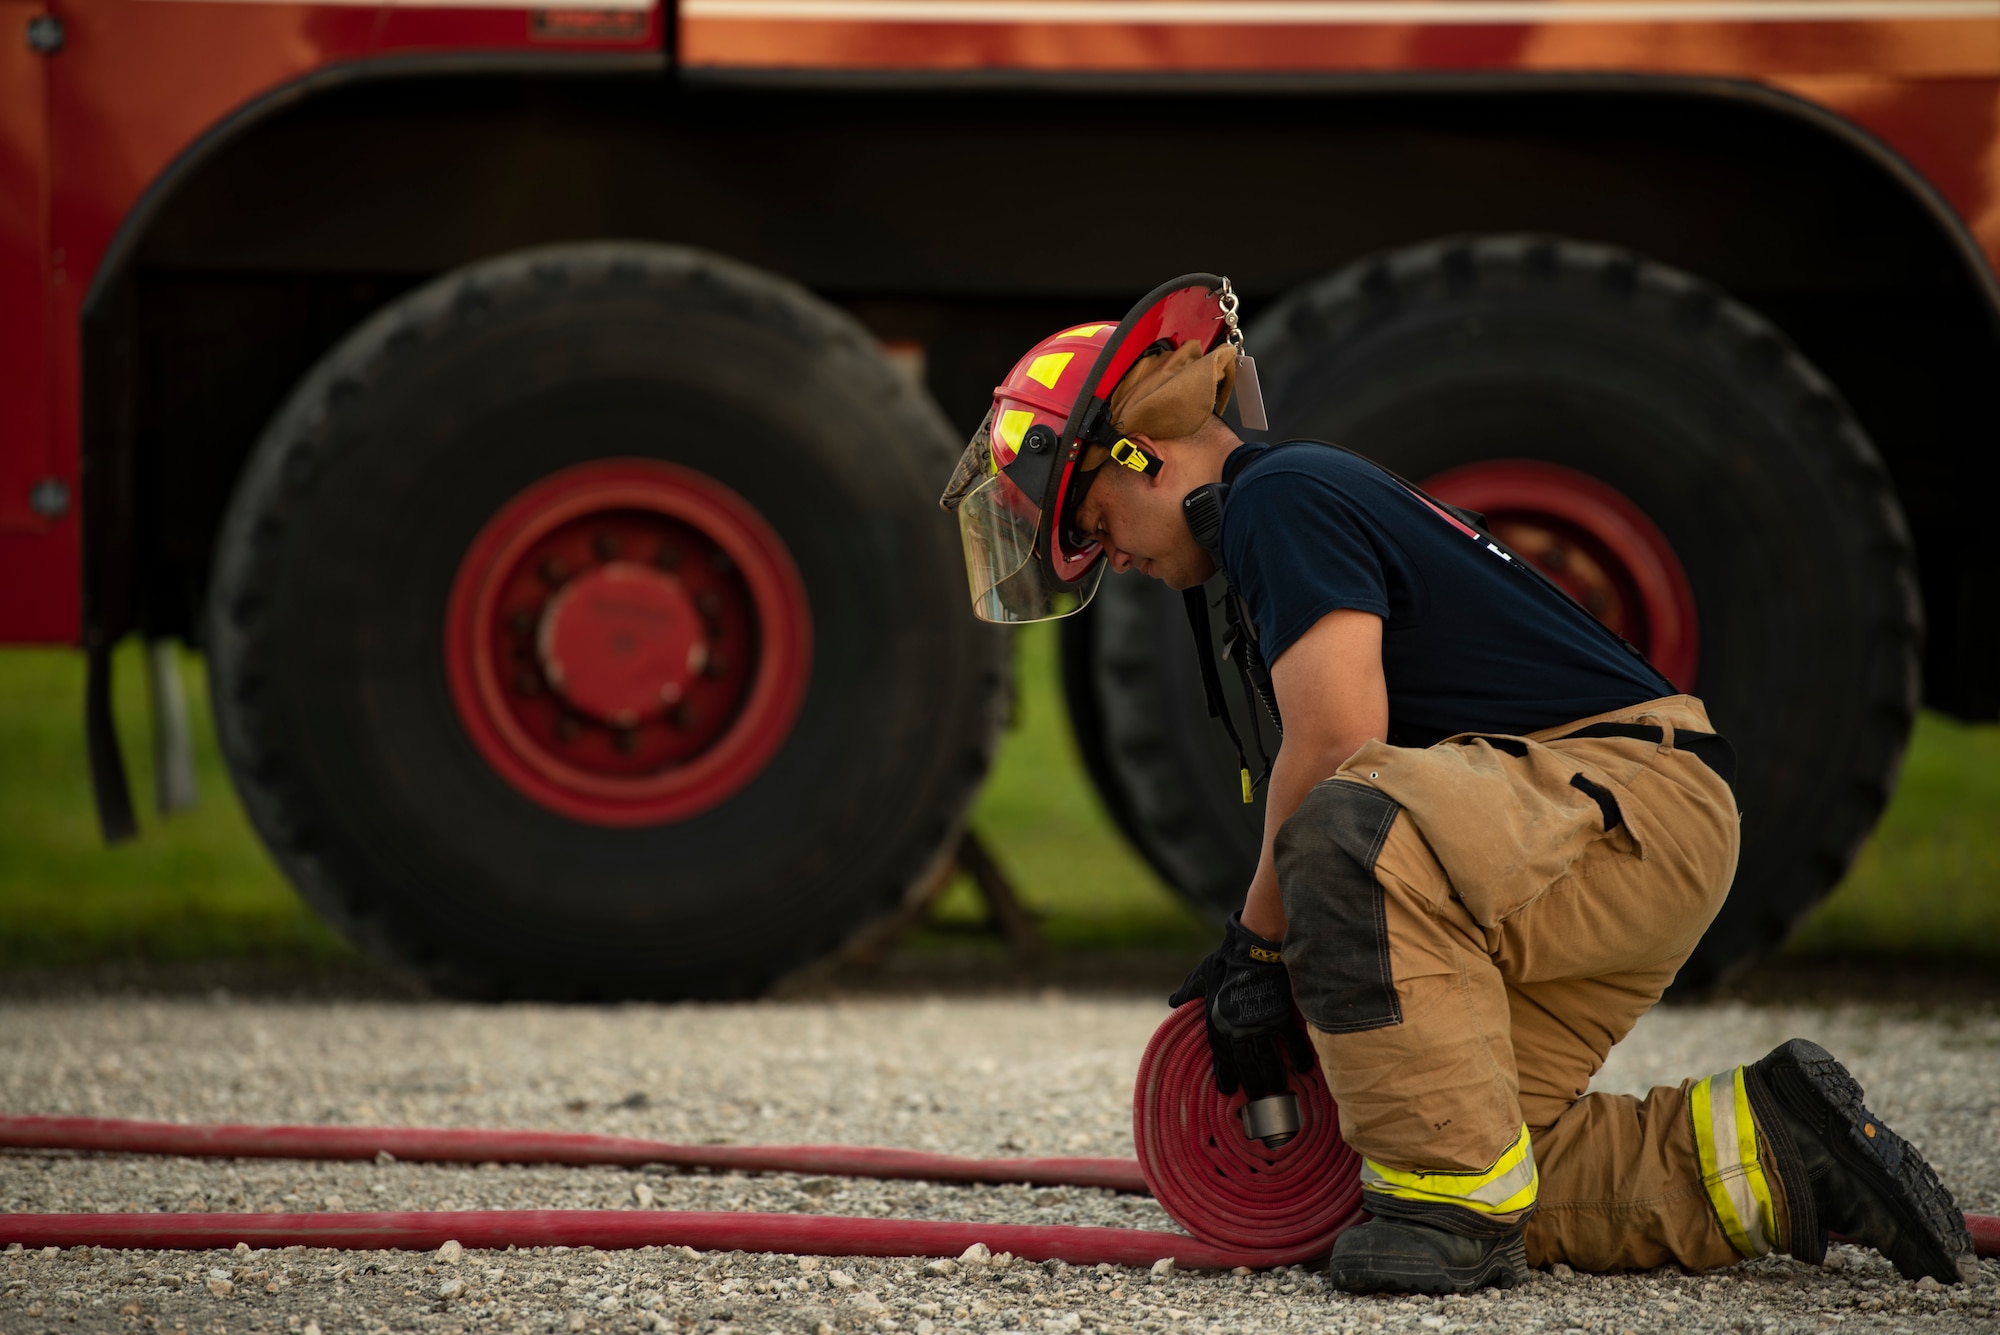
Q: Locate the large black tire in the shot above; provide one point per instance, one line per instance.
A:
(338, 555)
(1691, 406)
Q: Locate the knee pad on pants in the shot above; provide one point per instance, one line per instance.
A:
(1337, 937)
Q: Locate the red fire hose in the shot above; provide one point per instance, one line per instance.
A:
(792, 1234)
(435, 1145)
(1243, 1203)
(1217, 1183)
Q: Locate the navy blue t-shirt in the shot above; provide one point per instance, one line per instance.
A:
(1469, 642)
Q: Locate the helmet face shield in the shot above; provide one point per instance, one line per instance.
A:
(998, 525)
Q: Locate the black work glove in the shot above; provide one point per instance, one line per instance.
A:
(1251, 1031)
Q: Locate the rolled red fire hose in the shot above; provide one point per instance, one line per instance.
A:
(1245, 1204)
(1219, 1184)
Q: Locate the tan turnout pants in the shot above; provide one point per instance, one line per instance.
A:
(1473, 925)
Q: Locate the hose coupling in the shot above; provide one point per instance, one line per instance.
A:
(1273, 1120)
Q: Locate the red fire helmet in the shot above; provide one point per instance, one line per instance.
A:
(1020, 475)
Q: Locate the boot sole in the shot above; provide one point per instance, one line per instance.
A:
(1388, 1274)
(1897, 1173)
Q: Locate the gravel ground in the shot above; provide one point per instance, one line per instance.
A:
(996, 1075)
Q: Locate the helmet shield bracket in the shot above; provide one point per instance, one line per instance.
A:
(1035, 461)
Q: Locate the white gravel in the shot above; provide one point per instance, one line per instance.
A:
(998, 1075)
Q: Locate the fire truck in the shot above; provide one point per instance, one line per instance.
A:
(535, 411)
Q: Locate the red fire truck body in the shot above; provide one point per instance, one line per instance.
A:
(138, 84)
(198, 198)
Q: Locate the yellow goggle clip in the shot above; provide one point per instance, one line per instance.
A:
(1128, 455)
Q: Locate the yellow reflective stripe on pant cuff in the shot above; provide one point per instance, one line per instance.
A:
(1508, 1186)
(1725, 1139)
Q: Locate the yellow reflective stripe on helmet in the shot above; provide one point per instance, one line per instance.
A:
(1014, 424)
(1046, 369)
(1509, 1185)
(1725, 1140)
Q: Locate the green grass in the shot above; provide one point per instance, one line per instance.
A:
(1040, 817)
(1928, 882)
(198, 885)
(195, 885)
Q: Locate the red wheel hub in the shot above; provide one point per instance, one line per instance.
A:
(622, 642)
(1596, 545)
(627, 642)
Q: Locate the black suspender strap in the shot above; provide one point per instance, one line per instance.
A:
(1241, 646)
(1196, 602)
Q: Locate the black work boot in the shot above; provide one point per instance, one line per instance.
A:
(1402, 1256)
(1844, 1171)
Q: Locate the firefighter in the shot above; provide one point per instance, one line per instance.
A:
(1493, 832)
